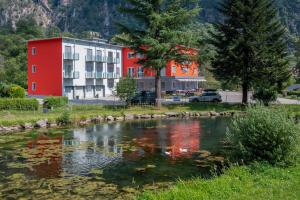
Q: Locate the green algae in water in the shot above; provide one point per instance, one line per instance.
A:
(101, 161)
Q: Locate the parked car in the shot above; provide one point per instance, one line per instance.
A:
(144, 97)
(207, 96)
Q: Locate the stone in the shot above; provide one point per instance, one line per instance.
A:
(172, 114)
(110, 118)
(138, 116)
(119, 118)
(28, 126)
(97, 119)
(205, 114)
(41, 123)
(214, 114)
(53, 125)
(140, 169)
(203, 154)
(156, 116)
(145, 116)
(128, 117)
(129, 190)
(151, 166)
(83, 123)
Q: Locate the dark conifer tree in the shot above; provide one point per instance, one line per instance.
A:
(158, 32)
(251, 49)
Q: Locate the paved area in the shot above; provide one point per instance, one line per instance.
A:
(227, 97)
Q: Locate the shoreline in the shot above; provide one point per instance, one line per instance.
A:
(45, 123)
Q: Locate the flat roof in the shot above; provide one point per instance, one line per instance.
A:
(95, 41)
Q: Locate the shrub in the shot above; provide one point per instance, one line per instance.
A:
(265, 95)
(16, 91)
(56, 102)
(64, 119)
(294, 93)
(264, 135)
(126, 89)
(19, 104)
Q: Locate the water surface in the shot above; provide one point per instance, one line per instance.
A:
(107, 161)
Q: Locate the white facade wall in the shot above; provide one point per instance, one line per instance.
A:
(85, 77)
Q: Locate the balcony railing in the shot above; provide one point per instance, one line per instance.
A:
(140, 74)
(99, 58)
(71, 56)
(89, 58)
(112, 75)
(89, 75)
(71, 75)
(112, 60)
(100, 75)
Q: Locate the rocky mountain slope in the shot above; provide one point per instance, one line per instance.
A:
(100, 15)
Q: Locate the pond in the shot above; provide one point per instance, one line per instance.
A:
(108, 161)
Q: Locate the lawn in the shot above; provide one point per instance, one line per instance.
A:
(259, 182)
(12, 117)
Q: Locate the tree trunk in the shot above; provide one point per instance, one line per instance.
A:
(158, 89)
(245, 93)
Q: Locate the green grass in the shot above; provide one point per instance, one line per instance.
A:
(258, 182)
(12, 117)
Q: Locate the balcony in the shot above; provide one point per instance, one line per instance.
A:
(89, 58)
(71, 56)
(89, 75)
(71, 75)
(99, 58)
(140, 74)
(112, 75)
(100, 75)
(112, 60)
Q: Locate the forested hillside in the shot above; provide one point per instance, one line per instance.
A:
(99, 15)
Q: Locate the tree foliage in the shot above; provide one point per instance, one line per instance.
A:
(251, 49)
(158, 33)
(126, 88)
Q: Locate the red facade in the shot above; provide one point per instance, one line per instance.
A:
(45, 67)
(190, 70)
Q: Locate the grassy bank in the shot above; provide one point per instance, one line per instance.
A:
(12, 117)
(252, 182)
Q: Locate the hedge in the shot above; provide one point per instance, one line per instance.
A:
(56, 101)
(294, 93)
(18, 104)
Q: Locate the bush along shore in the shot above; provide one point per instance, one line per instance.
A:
(64, 120)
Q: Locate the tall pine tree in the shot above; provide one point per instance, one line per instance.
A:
(297, 55)
(158, 32)
(250, 44)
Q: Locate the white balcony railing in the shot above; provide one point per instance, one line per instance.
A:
(89, 75)
(89, 58)
(99, 58)
(100, 75)
(71, 74)
(113, 60)
(71, 56)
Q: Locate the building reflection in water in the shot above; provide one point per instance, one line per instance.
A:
(102, 145)
(46, 156)
(176, 139)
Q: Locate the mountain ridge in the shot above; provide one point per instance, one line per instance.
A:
(99, 15)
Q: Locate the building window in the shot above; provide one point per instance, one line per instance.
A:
(33, 51)
(130, 72)
(33, 69)
(139, 55)
(130, 55)
(118, 55)
(184, 70)
(173, 69)
(111, 83)
(140, 72)
(33, 86)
